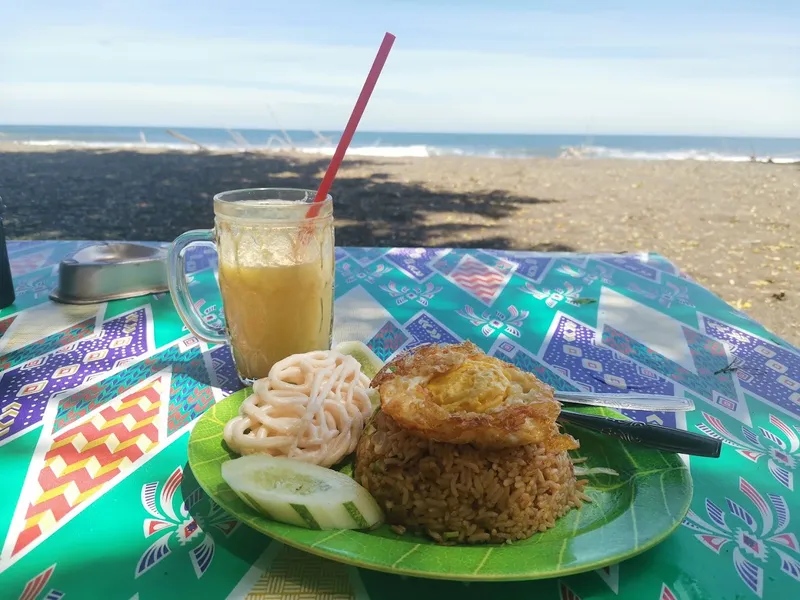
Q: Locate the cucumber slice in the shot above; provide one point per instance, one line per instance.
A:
(300, 493)
(370, 363)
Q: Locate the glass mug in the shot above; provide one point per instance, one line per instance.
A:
(276, 276)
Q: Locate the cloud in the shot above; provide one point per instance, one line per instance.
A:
(165, 105)
(137, 77)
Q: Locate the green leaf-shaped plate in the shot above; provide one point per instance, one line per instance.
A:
(628, 514)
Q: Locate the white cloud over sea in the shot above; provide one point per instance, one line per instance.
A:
(547, 72)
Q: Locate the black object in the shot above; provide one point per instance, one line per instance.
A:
(7, 295)
(667, 439)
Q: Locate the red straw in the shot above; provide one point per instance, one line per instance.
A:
(352, 124)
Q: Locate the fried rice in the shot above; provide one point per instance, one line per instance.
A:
(460, 493)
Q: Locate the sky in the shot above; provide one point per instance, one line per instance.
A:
(587, 67)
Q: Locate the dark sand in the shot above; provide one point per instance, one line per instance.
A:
(729, 225)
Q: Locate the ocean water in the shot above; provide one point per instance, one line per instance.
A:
(779, 150)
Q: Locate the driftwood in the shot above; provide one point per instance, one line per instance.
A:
(187, 139)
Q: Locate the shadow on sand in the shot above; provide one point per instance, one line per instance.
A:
(154, 196)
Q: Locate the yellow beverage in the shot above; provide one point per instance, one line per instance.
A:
(276, 276)
(272, 312)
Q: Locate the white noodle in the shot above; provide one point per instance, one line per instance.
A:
(311, 407)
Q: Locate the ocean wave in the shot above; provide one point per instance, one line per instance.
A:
(112, 145)
(424, 151)
(418, 151)
(686, 154)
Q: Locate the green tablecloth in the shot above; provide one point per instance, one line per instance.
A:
(96, 404)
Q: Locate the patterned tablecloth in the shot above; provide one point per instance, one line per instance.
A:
(96, 404)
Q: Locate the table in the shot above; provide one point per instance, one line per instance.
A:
(96, 404)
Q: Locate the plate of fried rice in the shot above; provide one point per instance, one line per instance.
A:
(445, 463)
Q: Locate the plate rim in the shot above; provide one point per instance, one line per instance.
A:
(441, 576)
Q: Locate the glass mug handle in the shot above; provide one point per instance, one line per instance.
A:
(179, 286)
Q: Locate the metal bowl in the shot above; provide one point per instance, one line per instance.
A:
(111, 271)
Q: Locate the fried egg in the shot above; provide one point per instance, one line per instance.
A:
(477, 385)
(460, 395)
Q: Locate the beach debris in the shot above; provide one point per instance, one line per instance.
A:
(328, 141)
(780, 296)
(740, 304)
(237, 137)
(284, 136)
(187, 139)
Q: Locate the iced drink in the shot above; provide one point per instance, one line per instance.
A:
(273, 312)
(276, 277)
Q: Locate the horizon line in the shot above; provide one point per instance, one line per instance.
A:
(390, 131)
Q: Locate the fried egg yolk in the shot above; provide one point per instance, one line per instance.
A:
(474, 386)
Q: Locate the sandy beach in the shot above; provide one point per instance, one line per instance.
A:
(728, 225)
